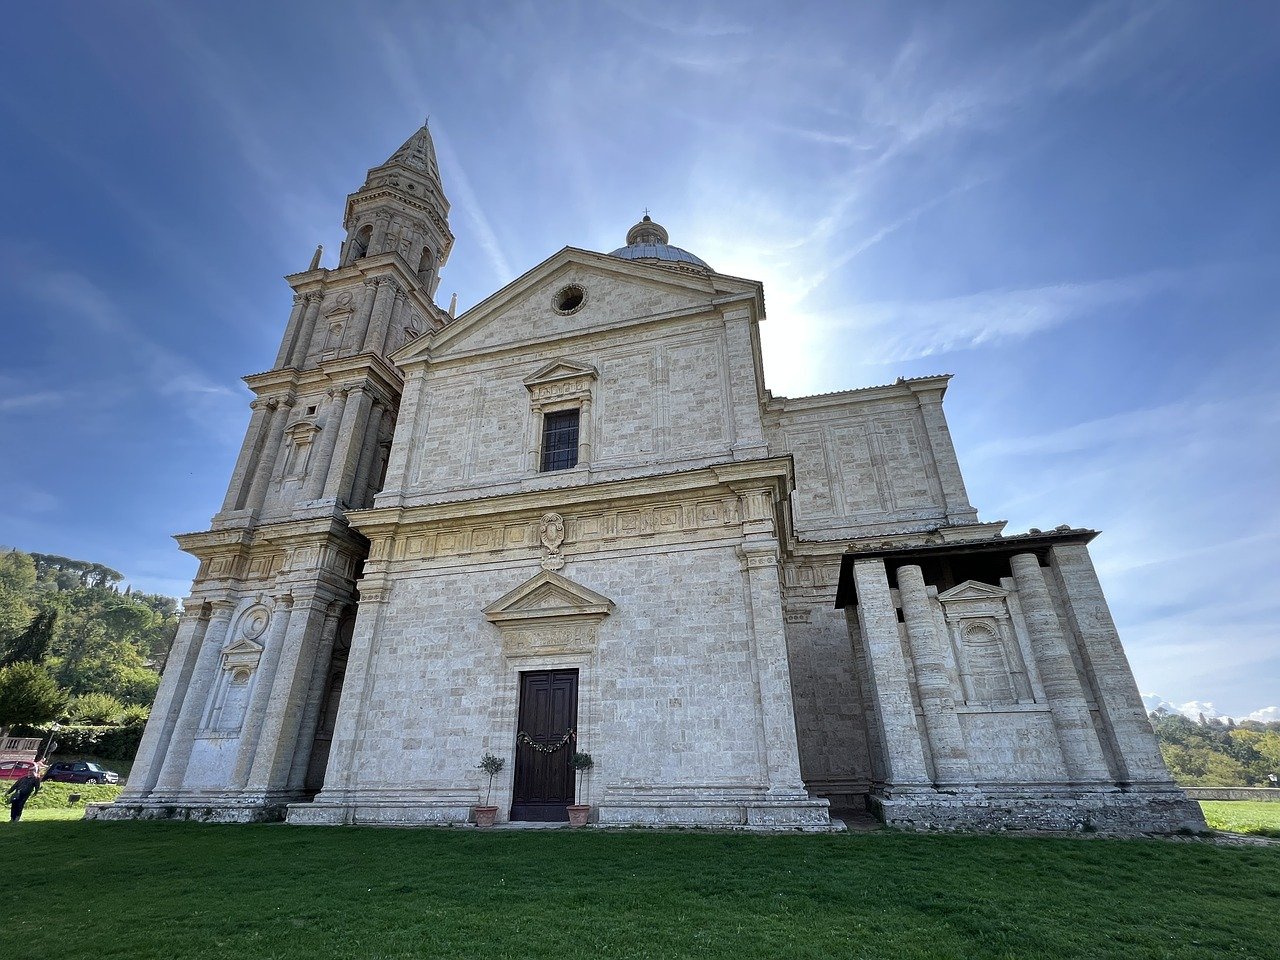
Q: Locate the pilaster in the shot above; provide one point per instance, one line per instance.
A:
(937, 697)
(270, 451)
(280, 614)
(322, 462)
(316, 691)
(1076, 734)
(173, 770)
(1136, 748)
(240, 479)
(157, 738)
(955, 497)
(887, 666)
(291, 331)
(773, 666)
(308, 331)
(342, 469)
(278, 736)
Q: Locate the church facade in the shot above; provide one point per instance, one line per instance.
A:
(573, 519)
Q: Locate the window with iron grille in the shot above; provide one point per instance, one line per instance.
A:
(560, 440)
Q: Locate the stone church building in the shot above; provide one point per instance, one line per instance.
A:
(573, 518)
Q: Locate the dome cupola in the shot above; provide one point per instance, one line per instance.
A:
(647, 242)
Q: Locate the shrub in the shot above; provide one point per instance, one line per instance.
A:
(96, 709)
(28, 695)
(135, 713)
(110, 743)
(55, 796)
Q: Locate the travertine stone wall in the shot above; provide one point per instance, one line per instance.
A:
(670, 694)
(870, 461)
(659, 403)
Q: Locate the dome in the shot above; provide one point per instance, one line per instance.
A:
(648, 241)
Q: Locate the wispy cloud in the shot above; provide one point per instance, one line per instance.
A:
(159, 369)
(22, 401)
(398, 66)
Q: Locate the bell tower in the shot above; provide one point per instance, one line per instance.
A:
(238, 727)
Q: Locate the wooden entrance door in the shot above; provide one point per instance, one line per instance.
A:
(548, 711)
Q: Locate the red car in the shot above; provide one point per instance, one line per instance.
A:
(16, 769)
(80, 771)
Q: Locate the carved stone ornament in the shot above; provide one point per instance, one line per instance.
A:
(551, 531)
(548, 614)
(254, 622)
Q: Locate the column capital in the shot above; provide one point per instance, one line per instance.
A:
(314, 296)
(222, 608)
(299, 298)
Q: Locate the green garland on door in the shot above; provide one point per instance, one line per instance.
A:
(524, 738)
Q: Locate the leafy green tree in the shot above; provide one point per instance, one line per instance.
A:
(17, 583)
(98, 709)
(28, 695)
(32, 645)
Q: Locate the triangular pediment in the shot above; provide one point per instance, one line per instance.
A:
(617, 290)
(241, 647)
(548, 596)
(973, 590)
(560, 370)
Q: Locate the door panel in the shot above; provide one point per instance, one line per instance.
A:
(543, 778)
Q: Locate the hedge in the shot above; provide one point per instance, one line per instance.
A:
(56, 796)
(109, 743)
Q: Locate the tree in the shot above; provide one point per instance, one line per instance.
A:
(32, 645)
(28, 695)
(17, 580)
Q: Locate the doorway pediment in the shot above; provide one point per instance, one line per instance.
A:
(545, 597)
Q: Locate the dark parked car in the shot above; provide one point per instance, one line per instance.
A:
(16, 769)
(80, 771)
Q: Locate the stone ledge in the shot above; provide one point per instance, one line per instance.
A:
(1104, 812)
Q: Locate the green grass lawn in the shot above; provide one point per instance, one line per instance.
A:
(139, 890)
(1261, 817)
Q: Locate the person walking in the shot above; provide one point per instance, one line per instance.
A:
(22, 791)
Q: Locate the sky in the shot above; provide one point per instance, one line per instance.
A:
(1071, 207)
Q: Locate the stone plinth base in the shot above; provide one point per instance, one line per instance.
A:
(203, 808)
(733, 813)
(1163, 811)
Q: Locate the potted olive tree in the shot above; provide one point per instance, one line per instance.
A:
(492, 766)
(578, 812)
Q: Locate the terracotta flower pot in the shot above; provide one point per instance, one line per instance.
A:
(485, 815)
(578, 813)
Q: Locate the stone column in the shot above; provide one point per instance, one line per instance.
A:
(174, 769)
(291, 331)
(322, 458)
(316, 689)
(278, 734)
(937, 696)
(955, 497)
(387, 292)
(257, 706)
(342, 467)
(383, 344)
(744, 399)
(340, 773)
(360, 325)
(308, 331)
(372, 435)
(773, 666)
(887, 668)
(270, 452)
(377, 242)
(584, 432)
(1137, 751)
(240, 479)
(169, 699)
(1076, 734)
(402, 442)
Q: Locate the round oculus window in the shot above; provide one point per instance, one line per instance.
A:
(569, 299)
